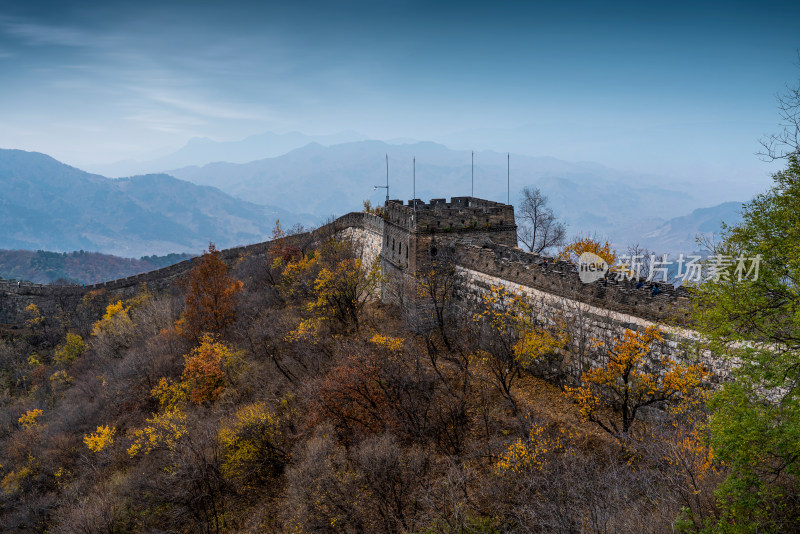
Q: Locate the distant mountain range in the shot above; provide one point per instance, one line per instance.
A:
(335, 179)
(201, 150)
(45, 204)
(680, 233)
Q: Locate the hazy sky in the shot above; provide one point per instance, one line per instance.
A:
(681, 89)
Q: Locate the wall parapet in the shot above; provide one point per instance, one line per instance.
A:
(561, 278)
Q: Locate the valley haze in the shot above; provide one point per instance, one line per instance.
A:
(50, 205)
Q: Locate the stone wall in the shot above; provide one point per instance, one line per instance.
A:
(588, 321)
(561, 278)
(402, 244)
(16, 296)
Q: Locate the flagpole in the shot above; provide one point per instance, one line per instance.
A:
(473, 174)
(508, 178)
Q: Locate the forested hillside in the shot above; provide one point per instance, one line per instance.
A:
(279, 395)
(79, 267)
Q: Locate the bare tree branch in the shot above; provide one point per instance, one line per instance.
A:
(786, 142)
(538, 228)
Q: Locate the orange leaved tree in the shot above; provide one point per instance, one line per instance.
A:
(210, 297)
(632, 378)
(205, 370)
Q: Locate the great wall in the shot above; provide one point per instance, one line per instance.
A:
(482, 235)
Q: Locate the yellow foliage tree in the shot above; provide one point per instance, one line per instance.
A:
(60, 380)
(524, 455)
(536, 342)
(573, 250)
(13, 480)
(100, 439)
(171, 395)
(516, 338)
(250, 442)
(70, 350)
(29, 418)
(392, 344)
(115, 320)
(342, 291)
(163, 432)
(298, 275)
(625, 384)
(35, 318)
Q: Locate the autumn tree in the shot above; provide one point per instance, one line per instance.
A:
(208, 369)
(70, 350)
(210, 296)
(372, 210)
(36, 321)
(538, 228)
(355, 395)
(281, 247)
(632, 378)
(572, 251)
(514, 337)
(252, 445)
(434, 309)
(343, 289)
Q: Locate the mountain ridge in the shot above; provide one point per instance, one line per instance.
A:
(342, 176)
(45, 204)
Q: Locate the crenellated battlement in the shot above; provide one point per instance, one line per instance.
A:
(561, 278)
(461, 214)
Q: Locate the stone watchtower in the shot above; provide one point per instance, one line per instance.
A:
(415, 233)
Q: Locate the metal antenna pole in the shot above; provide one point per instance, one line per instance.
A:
(387, 180)
(473, 174)
(414, 161)
(508, 178)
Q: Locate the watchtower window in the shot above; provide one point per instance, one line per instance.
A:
(433, 252)
(393, 245)
(400, 248)
(406, 251)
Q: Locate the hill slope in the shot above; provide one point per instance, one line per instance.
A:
(45, 204)
(80, 267)
(680, 233)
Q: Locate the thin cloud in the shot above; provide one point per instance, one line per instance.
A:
(43, 34)
(163, 121)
